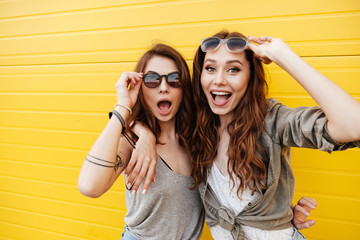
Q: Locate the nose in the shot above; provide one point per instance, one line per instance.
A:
(164, 86)
(220, 78)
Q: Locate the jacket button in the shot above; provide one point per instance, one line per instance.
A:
(249, 204)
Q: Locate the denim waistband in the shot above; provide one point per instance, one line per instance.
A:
(127, 235)
(298, 235)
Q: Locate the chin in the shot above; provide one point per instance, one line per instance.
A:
(220, 111)
(162, 118)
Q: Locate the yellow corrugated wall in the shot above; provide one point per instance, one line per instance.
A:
(59, 61)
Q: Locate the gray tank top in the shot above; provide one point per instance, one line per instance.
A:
(168, 210)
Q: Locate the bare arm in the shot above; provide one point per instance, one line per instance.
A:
(143, 160)
(341, 109)
(98, 174)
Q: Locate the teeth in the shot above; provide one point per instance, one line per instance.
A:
(220, 93)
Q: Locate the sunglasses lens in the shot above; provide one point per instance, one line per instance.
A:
(236, 44)
(210, 44)
(151, 80)
(173, 80)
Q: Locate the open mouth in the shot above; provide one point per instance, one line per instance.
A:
(220, 97)
(164, 106)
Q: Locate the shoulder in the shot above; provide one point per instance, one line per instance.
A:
(276, 111)
(273, 111)
(274, 106)
(271, 102)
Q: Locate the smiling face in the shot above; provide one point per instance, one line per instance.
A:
(224, 79)
(164, 101)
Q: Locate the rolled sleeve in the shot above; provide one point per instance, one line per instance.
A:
(336, 145)
(301, 127)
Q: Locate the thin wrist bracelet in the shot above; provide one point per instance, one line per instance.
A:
(124, 106)
(120, 119)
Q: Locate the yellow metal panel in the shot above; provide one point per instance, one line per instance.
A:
(20, 232)
(319, 160)
(337, 27)
(345, 209)
(344, 71)
(48, 138)
(59, 61)
(296, 101)
(37, 154)
(145, 15)
(332, 230)
(11, 9)
(54, 120)
(66, 226)
(96, 102)
(114, 198)
(317, 181)
(78, 212)
(40, 172)
(65, 68)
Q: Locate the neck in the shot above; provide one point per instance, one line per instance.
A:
(224, 122)
(167, 130)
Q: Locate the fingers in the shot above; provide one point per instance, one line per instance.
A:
(260, 40)
(259, 52)
(303, 225)
(142, 164)
(308, 202)
(303, 208)
(127, 78)
(140, 177)
(255, 39)
(266, 39)
(130, 165)
(135, 87)
(300, 213)
(132, 170)
(150, 177)
(138, 169)
(127, 88)
(132, 77)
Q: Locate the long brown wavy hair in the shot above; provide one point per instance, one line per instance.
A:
(245, 128)
(184, 118)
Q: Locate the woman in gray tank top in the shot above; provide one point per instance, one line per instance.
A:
(157, 96)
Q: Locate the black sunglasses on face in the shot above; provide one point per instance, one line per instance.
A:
(152, 80)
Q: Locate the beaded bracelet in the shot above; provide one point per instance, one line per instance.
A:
(124, 106)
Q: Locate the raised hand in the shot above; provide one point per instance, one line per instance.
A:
(127, 88)
(267, 49)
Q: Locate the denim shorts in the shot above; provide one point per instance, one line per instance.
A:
(127, 235)
(298, 235)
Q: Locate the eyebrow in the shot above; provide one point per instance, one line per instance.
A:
(227, 62)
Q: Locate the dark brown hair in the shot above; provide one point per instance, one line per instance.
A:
(185, 116)
(244, 129)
